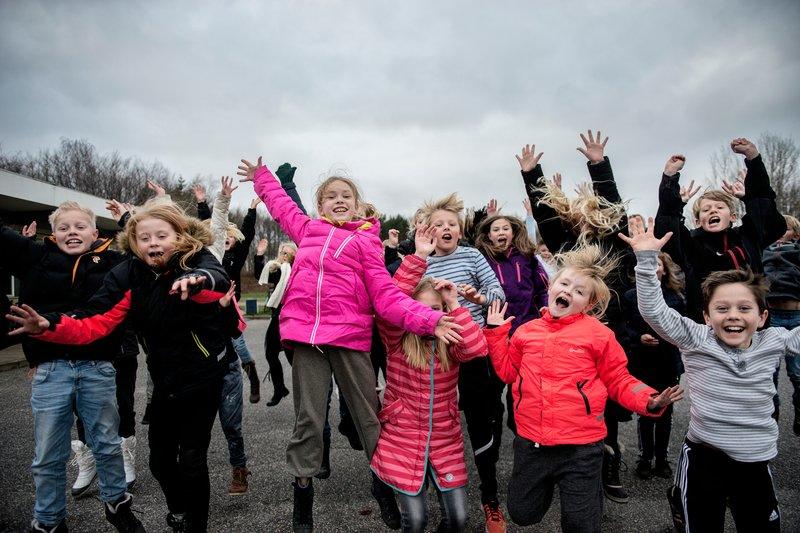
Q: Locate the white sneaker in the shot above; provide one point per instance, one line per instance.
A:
(129, 457)
(87, 471)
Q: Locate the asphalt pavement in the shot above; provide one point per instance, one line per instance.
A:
(342, 502)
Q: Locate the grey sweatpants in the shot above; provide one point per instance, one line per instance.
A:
(311, 379)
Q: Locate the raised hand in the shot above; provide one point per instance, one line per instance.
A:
(742, 146)
(394, 238)
(471, 294)
(254, 202)
(248, 169)
(528, 158)
(447, 330)
(28, 320)
(496, 314)
(687, 192)
(118, 209)
(668, 396)
(156, 188)
(199, 193)
(29, 230)
(227, 186)
(557, 181)
(526, 203)
(186, 284)
(449, 293)
(649, 340)
(674, 164)
(261, 247)
(225, 301)
(641, 239)
(593, 147)
(736, 188)
(425, 241)
(491, 208)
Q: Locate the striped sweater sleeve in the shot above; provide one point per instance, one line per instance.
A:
(488, 283)
(683, 332)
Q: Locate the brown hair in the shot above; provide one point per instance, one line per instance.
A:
(192, 234)
(590, 261)
(671, 279)
(756, 283)
(320, 192)
(519, 237)
(418, 349)
(715, 195)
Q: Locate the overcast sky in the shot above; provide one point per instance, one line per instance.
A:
(416, 98)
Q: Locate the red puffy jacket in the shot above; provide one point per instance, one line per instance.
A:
(562, 371)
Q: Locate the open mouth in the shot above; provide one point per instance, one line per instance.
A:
(733, 329)
(71, 242)
(447, 237)
(155, 255)
(562, 303)
(502, 241)
(714, 220)
(340, 210)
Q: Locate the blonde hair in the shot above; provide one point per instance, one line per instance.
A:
(417, 349)
(792, 224)
(291, 246)
(715, 195)
(234, 232)
(63, 207)
(192, 234)
(592, 262)
(319, 194)
(451, 203)
(590, 216)
(367, 210)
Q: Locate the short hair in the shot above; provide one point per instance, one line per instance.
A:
(715, 195)
(71, 206)
(451, 203)
(756, 283)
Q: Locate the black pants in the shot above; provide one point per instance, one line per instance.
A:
(126, 367)
(574, 468)
(654, 435)
(480, 396)
(180, 432)
(708, 478)
(272, 350)
(377, 354)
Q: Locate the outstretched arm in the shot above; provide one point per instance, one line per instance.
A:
(219, 217)
(669, 219)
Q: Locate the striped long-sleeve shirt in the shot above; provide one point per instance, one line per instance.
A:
(467, 265)
(731, 389)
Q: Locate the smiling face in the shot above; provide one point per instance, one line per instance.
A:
(714, 215)
(448, 231)
(338, 202)
(734, 315)
(570, 293)
(155, 241)
(501, 234)
(74, 232)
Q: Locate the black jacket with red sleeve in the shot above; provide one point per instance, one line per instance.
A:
(187, 341)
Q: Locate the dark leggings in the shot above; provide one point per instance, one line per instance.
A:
(654, 435)
(272, 350)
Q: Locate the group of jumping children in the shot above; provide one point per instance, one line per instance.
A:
(578, 315)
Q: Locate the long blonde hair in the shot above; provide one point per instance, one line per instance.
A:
(417, 349)
(590, 261)
(192, 234)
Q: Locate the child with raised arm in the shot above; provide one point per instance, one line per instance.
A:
(729, 364)
(563, 366)
(168, 287)
(480, 391)
(421, 439)
(338, 283)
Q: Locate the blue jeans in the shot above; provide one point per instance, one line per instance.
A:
(240, 346)
(452, 508)
(91, 387)
(789, 320)
(230, 413)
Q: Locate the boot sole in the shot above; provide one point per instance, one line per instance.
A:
(616, 499)
(77, 493)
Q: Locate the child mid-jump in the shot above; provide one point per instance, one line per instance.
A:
(729, 365)
(563, 367)
(421, 438)
(338, 283)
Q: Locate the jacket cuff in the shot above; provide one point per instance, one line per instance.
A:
(497, 331)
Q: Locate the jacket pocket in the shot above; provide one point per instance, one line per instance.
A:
(199, 344)
(519, 394)
(391, 412)
(580, 386)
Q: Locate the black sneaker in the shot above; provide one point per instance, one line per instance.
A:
(303, 513)
(644, 469)
(348, 429)
(612, 486)
(121, 517)
(279, 394)
(146, 416)
(177, 521)
(663, 469)
(384, 495)
(38, 527)
(676, 509)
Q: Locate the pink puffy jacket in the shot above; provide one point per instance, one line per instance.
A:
(339, 280)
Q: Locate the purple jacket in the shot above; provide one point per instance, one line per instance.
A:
(339, 280)
(524, 281)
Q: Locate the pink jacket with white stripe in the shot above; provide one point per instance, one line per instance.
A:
(338, 280)
(420, 423)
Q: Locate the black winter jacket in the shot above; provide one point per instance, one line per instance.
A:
(782, 267)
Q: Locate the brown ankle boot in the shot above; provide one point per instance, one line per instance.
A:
(239, 481)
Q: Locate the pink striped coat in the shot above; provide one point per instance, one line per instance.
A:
(420, 422)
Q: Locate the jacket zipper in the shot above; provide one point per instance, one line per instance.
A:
(519, 275)
(519, 393)
(499, 273)
(317, 310)
(341, 246)
(580, 386)
(199, 344)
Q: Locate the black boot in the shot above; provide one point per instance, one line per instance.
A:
(612, 486)
(303, 513)
(121, 517)
(177, 522)
(38, 527)
(255, 384)
(325, 469)
(384, 495)
(280, 393)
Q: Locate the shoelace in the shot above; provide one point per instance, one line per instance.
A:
(128, 454)
(494, 514)
(81, 460)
